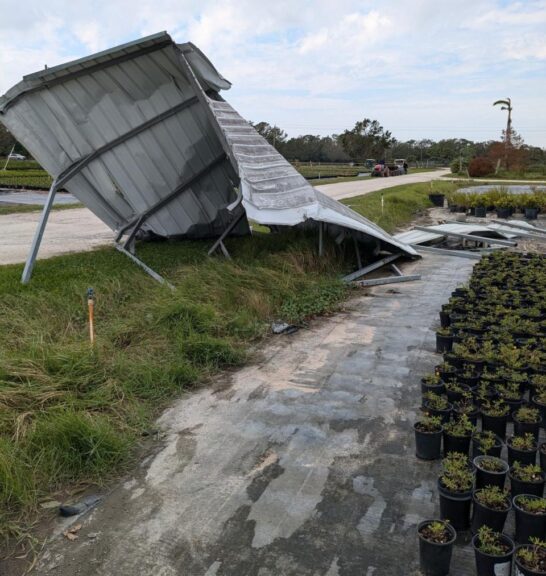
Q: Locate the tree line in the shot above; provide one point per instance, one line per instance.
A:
(368, 139)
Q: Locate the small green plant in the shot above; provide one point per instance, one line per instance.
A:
(527, 414)
(526, 442)
(533, 556)
(485, 440)
(492, 464)
(493, 497)
(490, 542)
(455, 387)
(461, 427)
(432, 379)
(445, 332)
(457, 475)
(436, 531)
(429, 424)
(495, 408)
(436, 401)
(532, 505)
(528, 473)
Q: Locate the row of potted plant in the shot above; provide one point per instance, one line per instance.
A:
(494, 374)
(501, 200)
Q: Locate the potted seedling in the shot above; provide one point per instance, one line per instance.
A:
(542, 454)
(531, 558)
(455, 488)
(510, 392)
(522, 449)
(428, 437)
(436, 540)
(455, 391)
(527, 479)
(530, 517)
(527, 420)
(531, 206)
(491, 507)
(486, 443)
(446, 371)
(493, 551)
(490, 471)
(494, 417)
(503, 206)
(466, 406)
(539, 400)
(437, 405)
(457, 435)
(444, 340)
(432, 383)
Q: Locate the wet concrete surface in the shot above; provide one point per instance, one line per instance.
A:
(301, 464)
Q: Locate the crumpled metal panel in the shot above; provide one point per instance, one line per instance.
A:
(422, 236)
(144, 127)
(275, 193)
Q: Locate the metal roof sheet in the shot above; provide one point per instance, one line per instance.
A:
(141, 129)
(423, 236)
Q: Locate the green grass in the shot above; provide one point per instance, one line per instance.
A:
(34, 179)
(401, 203)
(69, 412)
(326, 181)
(503, 176)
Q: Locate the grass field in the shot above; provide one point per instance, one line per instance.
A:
(18, 208)
(71, 413)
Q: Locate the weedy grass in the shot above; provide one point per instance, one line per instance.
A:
(69, 412)
(401, 203)
(19, 208)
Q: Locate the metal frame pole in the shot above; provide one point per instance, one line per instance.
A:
(38, 235)
(321, 239)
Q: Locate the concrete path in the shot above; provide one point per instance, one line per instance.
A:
(35, 198)
(360, 187)
(73, 230)
(300, 465)
(77, 229)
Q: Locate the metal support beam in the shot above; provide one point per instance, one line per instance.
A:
(370, 268)
(80, 164)
(389, 280)
(145, 267)
(38, 235)
(137, 222)
(357, 250)
(533, 230)
(445, 252)
(321, 239)
(220, 242)
(396, 270)
(441, 232)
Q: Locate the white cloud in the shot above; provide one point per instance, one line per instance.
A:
(318, 66)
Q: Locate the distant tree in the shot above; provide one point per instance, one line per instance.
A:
(368, 139)
(7, 142)
(273, 134)
(512, 151)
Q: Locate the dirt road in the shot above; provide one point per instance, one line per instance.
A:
(300, 465)
(78, 229)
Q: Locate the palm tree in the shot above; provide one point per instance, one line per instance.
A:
(506, 105)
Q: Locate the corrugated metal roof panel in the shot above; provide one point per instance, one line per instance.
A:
(138, 126)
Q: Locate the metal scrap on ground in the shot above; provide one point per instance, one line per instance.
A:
(141, 135)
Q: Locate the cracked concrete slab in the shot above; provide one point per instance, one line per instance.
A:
(304, 465)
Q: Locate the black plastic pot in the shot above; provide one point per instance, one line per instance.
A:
(542, 454)
(481, 515)
(437, 199)
(527, 524)
(447, 375)
(519, 487)
(436, 388)
(444, 415)
(522, 456)
(455, 507)
(520, 569)
(445, 321)
(486, 478)
(495, 451)
(435, 558)
(480, 211)
(472, 416)
(454, 395)
(521, 428)
(456, 444)
(531, 213)
(488, 565)
(503, 212)
(428, 444)
(541, 407)
(443, 343)
(497, 424)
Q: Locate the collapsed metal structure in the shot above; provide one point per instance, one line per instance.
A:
(141, 135)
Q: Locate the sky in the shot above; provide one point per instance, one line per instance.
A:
(423, 69)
